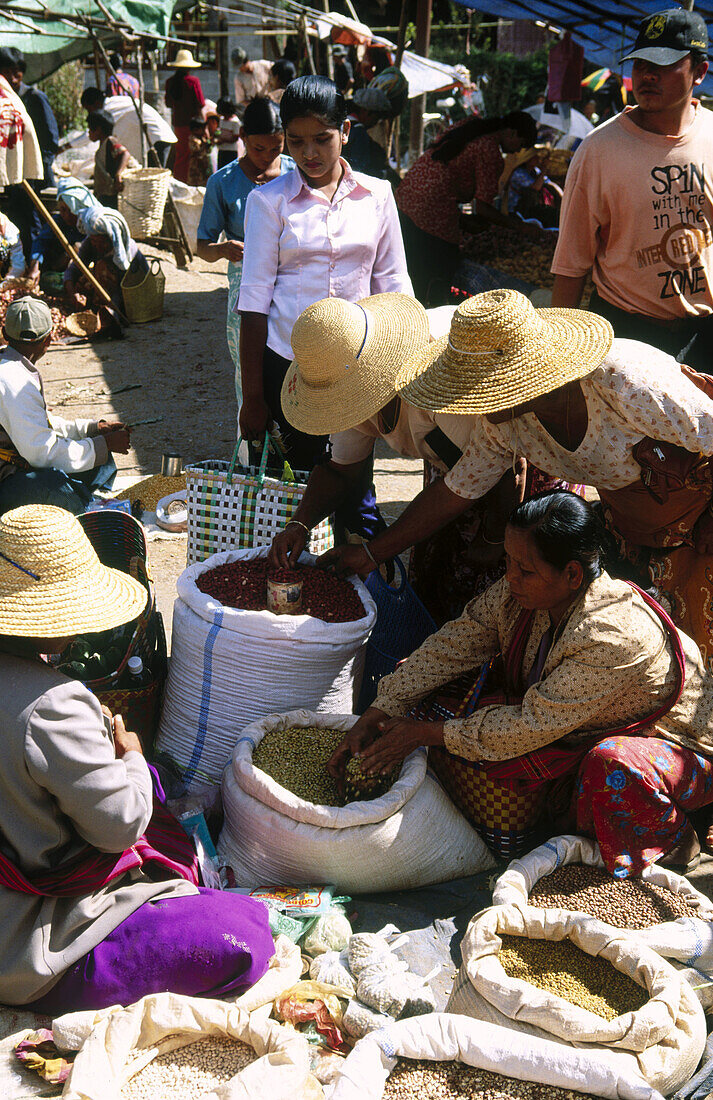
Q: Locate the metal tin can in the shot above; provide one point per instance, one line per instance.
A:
(284, 597)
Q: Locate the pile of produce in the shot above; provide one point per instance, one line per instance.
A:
(297, 757)
(150, 490)
(95, 656)
(561, 968)
(10, 293)
(416, 1079)
(243, 585)
(509, 251)
(189, 1071)
(625, 903)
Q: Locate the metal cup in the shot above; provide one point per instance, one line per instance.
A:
(171, 465)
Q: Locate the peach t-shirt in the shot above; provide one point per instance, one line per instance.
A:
(638, 211)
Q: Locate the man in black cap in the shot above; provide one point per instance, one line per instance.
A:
(637, 209)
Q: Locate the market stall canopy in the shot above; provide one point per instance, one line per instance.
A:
(606, 29)
(49, 34)
(423, 73)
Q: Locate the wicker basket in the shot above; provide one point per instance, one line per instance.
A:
(143, 294)
(143, 199)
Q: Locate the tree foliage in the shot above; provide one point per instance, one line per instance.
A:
(64, 90)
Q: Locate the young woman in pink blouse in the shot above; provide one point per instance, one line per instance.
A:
(319, 231)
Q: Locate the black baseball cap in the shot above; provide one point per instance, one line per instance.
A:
(668, 36)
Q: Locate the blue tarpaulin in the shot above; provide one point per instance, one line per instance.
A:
(604, 28)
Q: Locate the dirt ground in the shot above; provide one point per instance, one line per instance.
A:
(178, 372)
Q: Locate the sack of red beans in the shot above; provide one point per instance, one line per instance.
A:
(233, 661)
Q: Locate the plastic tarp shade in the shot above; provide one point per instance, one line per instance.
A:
(606, 29)
(54, 42)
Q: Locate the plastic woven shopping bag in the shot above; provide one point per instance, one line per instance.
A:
(240, 507)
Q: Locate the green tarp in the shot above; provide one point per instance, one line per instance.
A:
(52, 42)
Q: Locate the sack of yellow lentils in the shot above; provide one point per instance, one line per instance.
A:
(549, 972)
(663, 910)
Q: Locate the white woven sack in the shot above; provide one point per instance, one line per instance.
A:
(443, 1036)
(230, 667)
(110, 1041)
(663, 1040)
(687, 940)
(412, 836)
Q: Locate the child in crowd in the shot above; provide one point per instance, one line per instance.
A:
(199, 143)
(228, 136)
(227, 193)
(111, 159)
(318, 231)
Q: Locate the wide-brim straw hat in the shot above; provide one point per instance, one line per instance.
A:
(502, 352)
(52, 584)
(347, 356)
(184, 60)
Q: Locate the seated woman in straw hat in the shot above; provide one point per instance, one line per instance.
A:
(99, 895)
(554, 386)
(342, 381)
(586, 688)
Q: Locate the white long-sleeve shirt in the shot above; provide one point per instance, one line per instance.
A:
(42, 441)
(300, 247)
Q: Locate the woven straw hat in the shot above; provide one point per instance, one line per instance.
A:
(347, 356)
(52, 584)
(184, 60)
(501, 352)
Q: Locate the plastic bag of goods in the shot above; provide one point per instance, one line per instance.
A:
(569, 977)
(230, 666)
(410, 836)
(661, 909)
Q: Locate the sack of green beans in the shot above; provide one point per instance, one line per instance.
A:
(285, 825)
(662, 909)
(549, 972)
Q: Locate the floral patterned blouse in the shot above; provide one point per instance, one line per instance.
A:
(637, 391)
(610, 664)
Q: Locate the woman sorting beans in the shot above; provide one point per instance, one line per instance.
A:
(587, 693)
(99, 896)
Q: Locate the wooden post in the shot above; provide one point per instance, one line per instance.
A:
(308, 47)
(401, 38)
(328, 47)
(68, 248)
(142, 131)
(418, 103)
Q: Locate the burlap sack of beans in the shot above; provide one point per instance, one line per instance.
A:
(108, 1040)
(443, 1036)
(663, 1040)
(688, 941)
(411, 836)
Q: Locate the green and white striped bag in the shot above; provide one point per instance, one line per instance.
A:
(237, 507)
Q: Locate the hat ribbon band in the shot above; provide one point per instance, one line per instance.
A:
(366, 329)
(22, 569)
(460, 351)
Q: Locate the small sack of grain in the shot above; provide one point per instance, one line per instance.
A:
(369, 949)
(358, 1019)
(330, 932)
(395, 992)
(331, 969)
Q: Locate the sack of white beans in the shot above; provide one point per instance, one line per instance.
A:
(444, 1037)
(411, 836)
(663, 910)
(655, 1024)
(116, 1044)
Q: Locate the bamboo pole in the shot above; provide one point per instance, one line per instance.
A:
(68, 248)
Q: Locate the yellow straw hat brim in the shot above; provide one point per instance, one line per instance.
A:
(52, 584)
(483, 379)
(323, 393)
